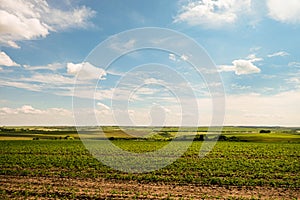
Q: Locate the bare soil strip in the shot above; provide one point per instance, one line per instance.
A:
(25, 187)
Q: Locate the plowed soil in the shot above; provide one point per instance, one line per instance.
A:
(26, 187)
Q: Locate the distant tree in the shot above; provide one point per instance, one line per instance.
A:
(222, 138)
(68, 138)
(199, 137)
(264, 131)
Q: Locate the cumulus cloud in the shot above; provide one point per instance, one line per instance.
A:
(240, 67)
(5, 60)
(28, 115)
(30, 19)
(86, 71)
(213, 13)
(73, 68)
(49, 80)
(54, 82)
(284, 11)
(26, 109)
(280, 53)
(245, 67)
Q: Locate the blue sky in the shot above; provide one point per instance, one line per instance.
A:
(44, 45)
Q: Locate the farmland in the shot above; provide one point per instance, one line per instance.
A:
(51, 162)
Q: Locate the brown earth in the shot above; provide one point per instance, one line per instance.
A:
(25, 187)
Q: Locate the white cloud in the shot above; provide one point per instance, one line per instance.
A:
(50, 82)
(85, 71)
(147, 91)
(254, 109)
(172, 57)
(73, 68)
(51, 79)
(294, 64)
(155, 81)
(122, 46)
(28, 115)
(27, 86)
(102, 105)
(53, 82)
(284, 11)
(184, 57)
(240, 67)
(280, 53)
(114, 72)
(27, 109)
(245, 67)
(61, 20)
(240, 87)
(247, 109)
(31, 19)
(255, 49)
(122, 94)
(5, 60)
(294, 81)
(213, 13)
(253, 58)
(51, 67)
(14, 27)
(226, 68)
(6, 110)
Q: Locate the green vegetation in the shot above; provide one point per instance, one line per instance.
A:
(229, 163)
(242, 157)
(250, 134)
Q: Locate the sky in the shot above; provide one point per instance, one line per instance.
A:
(48, 68)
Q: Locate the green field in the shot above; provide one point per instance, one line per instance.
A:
(250, 134)
(246, 158)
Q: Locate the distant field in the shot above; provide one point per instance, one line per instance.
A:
(246, 165)
(277, 134)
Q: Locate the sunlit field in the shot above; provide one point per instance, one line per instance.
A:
(39, 162)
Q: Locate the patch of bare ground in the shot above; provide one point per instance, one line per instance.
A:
(26, 187)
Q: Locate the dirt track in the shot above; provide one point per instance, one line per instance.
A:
(24, 187)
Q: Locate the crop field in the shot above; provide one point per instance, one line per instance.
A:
(52, 163)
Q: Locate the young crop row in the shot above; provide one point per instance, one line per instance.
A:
(229, 163)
